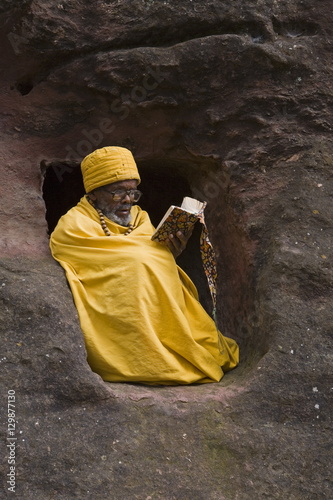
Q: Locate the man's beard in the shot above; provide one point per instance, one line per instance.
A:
(122, 221)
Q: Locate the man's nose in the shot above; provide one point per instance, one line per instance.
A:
(127, 198)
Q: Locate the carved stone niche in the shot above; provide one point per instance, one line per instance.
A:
(165, 183)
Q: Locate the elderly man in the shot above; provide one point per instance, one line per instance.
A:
(139, 312)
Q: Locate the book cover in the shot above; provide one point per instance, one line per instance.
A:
(178, 219)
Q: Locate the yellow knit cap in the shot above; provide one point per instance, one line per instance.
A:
(108, 165)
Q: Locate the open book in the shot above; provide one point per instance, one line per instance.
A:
(179, 219)
(183, 219)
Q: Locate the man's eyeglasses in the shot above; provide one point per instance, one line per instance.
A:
(120, 194)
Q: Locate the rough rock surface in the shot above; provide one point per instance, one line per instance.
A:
(230, 101)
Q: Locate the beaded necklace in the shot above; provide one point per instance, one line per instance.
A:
(106, 229)
(103, 223)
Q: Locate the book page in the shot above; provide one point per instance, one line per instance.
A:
(191, 205)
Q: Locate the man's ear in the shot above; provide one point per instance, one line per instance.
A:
(92, 196)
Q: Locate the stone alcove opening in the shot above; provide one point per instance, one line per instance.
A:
(165, 183)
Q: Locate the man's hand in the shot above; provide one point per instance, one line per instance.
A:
(177, 242)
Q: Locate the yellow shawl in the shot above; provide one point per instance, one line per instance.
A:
(139, 312)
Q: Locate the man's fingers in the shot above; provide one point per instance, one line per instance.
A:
(177, 243)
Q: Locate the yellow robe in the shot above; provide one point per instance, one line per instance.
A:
(139, 312)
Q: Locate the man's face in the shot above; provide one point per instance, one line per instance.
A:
(117, 211)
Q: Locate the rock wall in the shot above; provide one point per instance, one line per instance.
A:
(230, 102)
